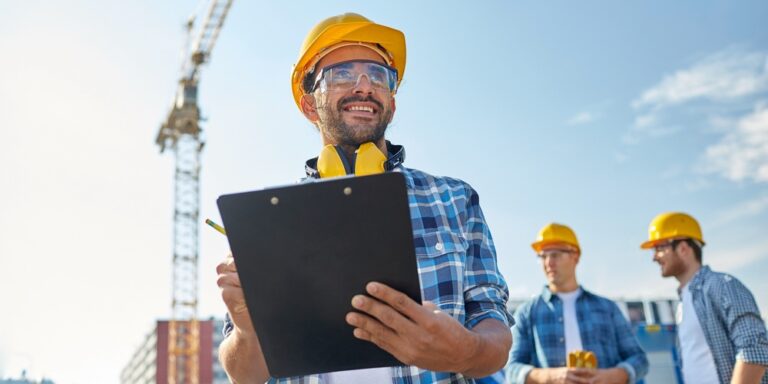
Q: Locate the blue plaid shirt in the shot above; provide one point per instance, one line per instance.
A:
(456, 260)
(731, 321)
(539, 336)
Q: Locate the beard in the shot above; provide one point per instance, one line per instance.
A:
(673, 266)
(354, 134)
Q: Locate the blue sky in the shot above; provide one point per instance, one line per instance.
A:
(595, 114)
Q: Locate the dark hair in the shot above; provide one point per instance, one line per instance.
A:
(691, 243)
(308, 82)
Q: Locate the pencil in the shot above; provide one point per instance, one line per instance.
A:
(216, 226)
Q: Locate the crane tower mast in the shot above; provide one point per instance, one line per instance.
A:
(180, 132)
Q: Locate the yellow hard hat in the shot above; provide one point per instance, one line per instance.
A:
(672, 225)
(554, 233)
(347, 28)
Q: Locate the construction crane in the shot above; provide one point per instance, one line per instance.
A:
(181, 132)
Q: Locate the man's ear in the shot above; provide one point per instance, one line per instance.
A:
(684, 248)
(309, 107)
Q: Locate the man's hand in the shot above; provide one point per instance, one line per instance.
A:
(561, 375)
(240, 353)
(232, 293)
(416, 335)
(610, 376)
(566, 375)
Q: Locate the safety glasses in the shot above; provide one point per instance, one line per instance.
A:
(347, 74)
(663, 247)
(554, 253)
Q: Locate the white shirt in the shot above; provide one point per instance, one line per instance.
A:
(698, 363)
(571, 323)
(370, 375)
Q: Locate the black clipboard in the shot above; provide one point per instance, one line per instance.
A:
(302, 253)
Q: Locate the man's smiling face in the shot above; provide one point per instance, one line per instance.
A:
(357, 114)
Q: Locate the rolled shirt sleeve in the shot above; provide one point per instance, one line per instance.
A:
(634, 360)
(748, 332)
(486, 292)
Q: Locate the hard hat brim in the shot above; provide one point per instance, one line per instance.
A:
(649, 244)
(539, 245)
(652, 243)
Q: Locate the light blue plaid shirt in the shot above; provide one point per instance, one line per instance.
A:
(539, 336)
(730, 320)
(456, 261)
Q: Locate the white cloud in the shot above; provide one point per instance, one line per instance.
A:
(734, 259)
(741, 211)
(742, 154)
(724, 85)
(725, 75)
(582, 118)
(731, 77)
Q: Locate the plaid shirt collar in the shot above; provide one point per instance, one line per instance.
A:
(547, 295)
(700, 277)
(697, 281)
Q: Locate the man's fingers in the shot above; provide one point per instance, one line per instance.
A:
(399, 301)
(383, 344)
(583, 372)
(369, 329)
(228, 265)
(228, 280)
(384, 313)
(575, 376)
(234, 299)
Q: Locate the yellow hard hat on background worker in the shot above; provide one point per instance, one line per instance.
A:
(554, 233)
(338, 31)
(672, 225)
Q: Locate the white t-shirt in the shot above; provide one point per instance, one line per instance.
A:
(371, 375)
(698, 363)
(571, 322)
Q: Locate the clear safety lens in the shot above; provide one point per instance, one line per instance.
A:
(554, 253)
(347, 75)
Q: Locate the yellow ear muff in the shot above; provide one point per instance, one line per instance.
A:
(369, 160)
(329, 163)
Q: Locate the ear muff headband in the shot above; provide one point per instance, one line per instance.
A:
(368, 161)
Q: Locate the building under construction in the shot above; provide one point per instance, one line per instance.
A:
(149, 363)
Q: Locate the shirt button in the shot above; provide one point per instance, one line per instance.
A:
(560, 319)
(439, 246)
(562, 339)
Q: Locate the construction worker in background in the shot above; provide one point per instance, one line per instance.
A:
(722, 337)
(344, 83)
(566, 319)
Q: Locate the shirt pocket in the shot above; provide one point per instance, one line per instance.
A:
(441, 258)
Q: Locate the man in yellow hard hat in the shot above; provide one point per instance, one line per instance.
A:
(566, 318)
(722, 336)
(344, 83)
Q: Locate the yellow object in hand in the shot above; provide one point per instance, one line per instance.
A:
(582, 359)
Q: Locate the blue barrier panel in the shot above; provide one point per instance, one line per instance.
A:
(660, 345)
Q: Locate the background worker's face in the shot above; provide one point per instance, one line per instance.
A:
(356, 115)
(669, 259)
(559, 263)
